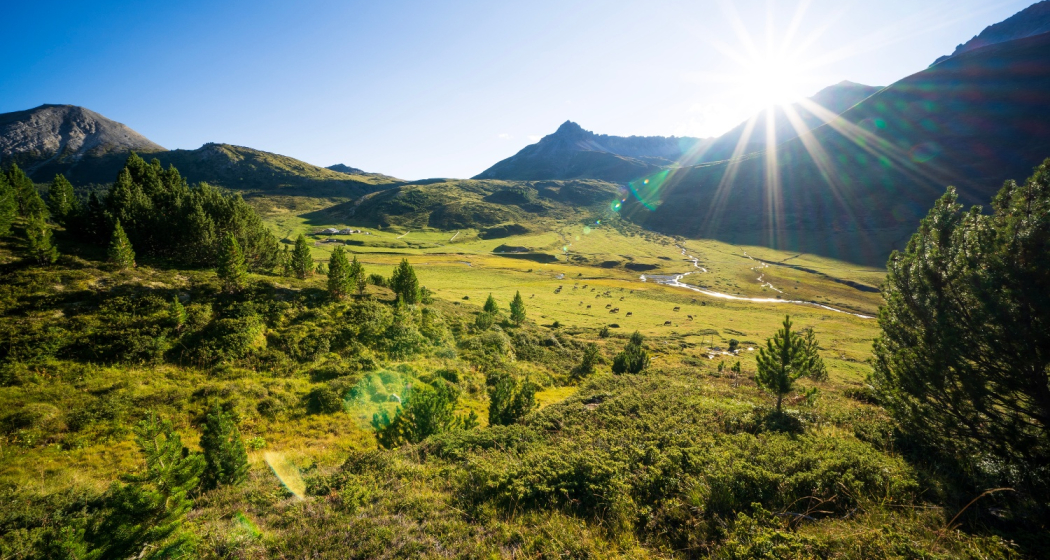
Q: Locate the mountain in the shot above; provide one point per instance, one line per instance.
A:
(1031, 21)
(61, 136)
(857, 187)
(788, 122)
(90, 149)
(341, 168)
(572, 152)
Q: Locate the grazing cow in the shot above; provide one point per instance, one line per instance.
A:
(588, 307)
(629, 313)
(607, 306)
(690, 317)
(667, 323)
(614, 310)
(621, 298)
(677, 309)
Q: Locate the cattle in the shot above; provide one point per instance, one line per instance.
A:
(614, 310)
(690, 317)
(588, 307)
(621, 298)
(607, 306)
(677, 309)
(667, 323)
(629, 313)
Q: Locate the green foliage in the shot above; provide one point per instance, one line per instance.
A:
(302, 262)
(592, 356)
(357, 275)
(634, 358)
(61, 200)
(404, 283)
(26, 196)
(960, 362)
(224, 455)
(484, 321)
(425, 412)
(377, 280)
(787, 357)
(604, 332)
(510, 400)
(39, 246)
(142, 514)
(490, 305)
(517, 309)
(177, 312)
(341, 277)
(120, 251)
(165, 217)
(8, 205)
(232, 271)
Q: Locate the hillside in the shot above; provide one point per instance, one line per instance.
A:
(59, 137)
(788, 122)
(478, 204)
(1031, 21)
(574, 153)
(856, 188)
(90, 149)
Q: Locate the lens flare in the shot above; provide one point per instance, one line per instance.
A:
(586, 230)
(615, 206)
(648, 191)
(286, 472)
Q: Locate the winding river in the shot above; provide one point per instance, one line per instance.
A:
(675, 281)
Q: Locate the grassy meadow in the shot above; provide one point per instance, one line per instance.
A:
(684, 460)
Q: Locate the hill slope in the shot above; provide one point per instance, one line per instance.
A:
(1031, 21)
(61, 136)
(91, 149)
(789, 122)
(856, 188)
(572, 153)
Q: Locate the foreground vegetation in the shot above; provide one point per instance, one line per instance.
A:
(460, 403)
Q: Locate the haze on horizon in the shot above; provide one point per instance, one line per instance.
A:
(418, 90)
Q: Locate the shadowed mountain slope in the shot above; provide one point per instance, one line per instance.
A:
(572, 152)
(1031, 21)
(855, 188)
(788, 122)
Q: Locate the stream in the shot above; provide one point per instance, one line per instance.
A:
(675, 281)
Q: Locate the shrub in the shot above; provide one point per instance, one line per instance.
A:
(633, 358)
(510, 401)
(226, 461)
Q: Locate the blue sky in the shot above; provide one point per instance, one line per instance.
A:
(447, 88)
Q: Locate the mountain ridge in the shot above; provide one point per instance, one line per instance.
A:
(1031, 21)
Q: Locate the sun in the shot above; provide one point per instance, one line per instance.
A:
(772, 79)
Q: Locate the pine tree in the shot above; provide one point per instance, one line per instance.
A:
(121, 253)
(517, 309)
(39, 246)
(510, 401)
(490, 305)
(633, 358)
(302, 261)
(224, 455)
(146, 510)
(404, 282)
(8, 205)
(231, 270)
(26, 195)
(340, 279)
(357, 272)
(60, 199)
(787, 357)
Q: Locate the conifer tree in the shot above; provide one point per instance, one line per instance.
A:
(787, 357)
(39, 246)
(510, 401)
(340, 280)
(231, 270)
(357, 272)
(633, 358)
(8, 205)
(490, 305)
(60, 199)
(121, 253)
(404, 282)
(224, 455)
(517, 309)
(302, 262)
(26, 195)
